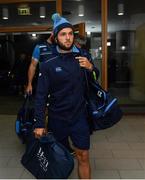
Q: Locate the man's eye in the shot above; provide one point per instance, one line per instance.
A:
(62, 34)
(71, 33)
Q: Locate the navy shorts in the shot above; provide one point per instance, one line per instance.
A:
(78, 132)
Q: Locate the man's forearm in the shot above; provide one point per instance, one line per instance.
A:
(31, 73)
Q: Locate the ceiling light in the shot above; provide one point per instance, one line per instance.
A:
(33, 35)
(123, 48)
(88, 33)
(120, 9)
(42, 12)
(81, 10)
(108, 43)
(5, 13)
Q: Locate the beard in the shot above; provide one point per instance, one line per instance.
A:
(63, 47)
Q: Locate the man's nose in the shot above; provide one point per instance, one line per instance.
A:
(67, 36)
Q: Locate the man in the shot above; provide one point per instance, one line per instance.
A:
(62, 77)
(40, 54)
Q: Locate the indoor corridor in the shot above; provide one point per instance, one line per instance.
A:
(116, 153)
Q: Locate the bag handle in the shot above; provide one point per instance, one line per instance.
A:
(26, 104)
(45, 139)
(86, 81)
(27, 100)
(49, 137)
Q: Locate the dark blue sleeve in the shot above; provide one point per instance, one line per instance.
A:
(41, 96)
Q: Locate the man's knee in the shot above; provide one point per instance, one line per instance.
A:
(82, 156)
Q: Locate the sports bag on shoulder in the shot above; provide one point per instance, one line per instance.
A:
(46, 158)
(25, 119)
(103, 109)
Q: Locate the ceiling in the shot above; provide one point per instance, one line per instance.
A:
(133, 17)
(134, 14)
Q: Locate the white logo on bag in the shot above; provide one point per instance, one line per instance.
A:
(42, 159)
(99, 93)
(40, 74)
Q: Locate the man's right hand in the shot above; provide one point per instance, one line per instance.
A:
(29, 89)
(39, 132)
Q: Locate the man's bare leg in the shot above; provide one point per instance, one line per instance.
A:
(84, 169)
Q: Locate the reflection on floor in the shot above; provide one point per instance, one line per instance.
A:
(116, 153)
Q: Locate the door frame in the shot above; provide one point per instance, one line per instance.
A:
(104, 70)
(78, 27)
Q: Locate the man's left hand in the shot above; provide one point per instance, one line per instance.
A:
(85, 63)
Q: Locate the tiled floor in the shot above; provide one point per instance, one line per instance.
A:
(116, 153)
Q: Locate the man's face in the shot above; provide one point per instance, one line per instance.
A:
(65, 39)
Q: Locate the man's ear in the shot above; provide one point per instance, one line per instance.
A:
(55, 39)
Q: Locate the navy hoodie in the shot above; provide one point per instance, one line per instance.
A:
(61, 83)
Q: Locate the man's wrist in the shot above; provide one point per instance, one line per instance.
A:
(29, 83)
(91, 67)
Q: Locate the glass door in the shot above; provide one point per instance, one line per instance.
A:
(126, 53)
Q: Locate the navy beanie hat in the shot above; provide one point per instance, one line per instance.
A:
(59, 23)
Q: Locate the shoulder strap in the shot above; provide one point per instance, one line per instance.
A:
(82, 52)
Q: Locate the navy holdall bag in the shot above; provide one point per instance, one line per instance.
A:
(46, 158)
(25, 119)
(103, 109)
